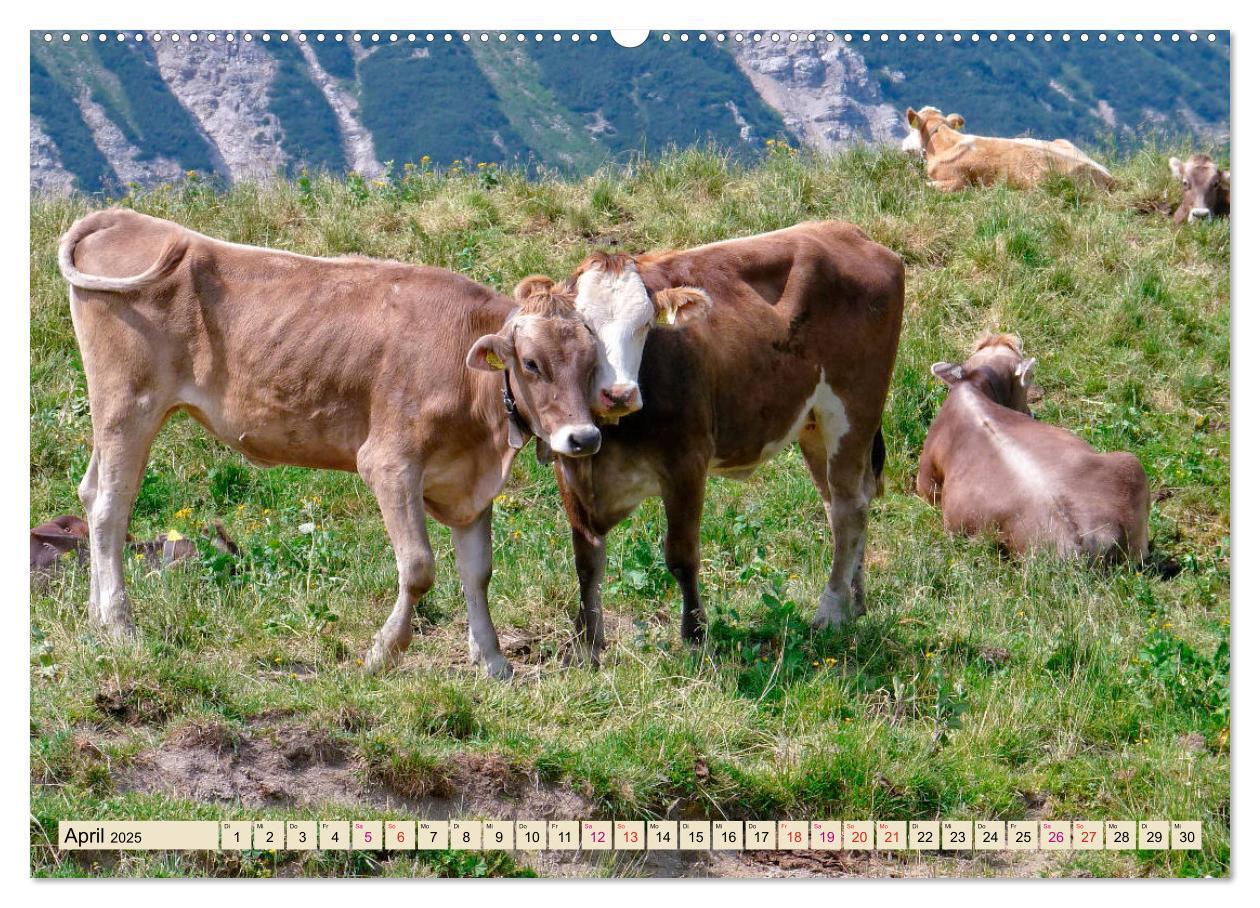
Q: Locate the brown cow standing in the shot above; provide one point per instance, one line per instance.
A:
(798, 345)
(992, 467)
(955, 161)
(346, 364)
(1204, 189)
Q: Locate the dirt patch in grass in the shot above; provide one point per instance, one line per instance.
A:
(262, 766)
(274, 763)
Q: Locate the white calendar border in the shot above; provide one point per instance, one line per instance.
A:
(1084, 14)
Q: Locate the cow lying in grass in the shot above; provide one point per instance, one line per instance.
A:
(1204, 189)
(418, 379)
(955, 160)
(992, 468)
(789, 336)
(68, 533)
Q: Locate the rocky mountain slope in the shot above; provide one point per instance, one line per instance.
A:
(106, 113)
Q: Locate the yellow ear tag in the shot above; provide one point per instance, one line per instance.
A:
(173, 536)
(493, 360)
(665, 316)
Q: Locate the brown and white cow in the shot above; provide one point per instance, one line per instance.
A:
(791, 337)
(1204, 189)
(956, 160)
(393, 371)
(993, 468)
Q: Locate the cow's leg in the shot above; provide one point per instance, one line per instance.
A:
(852, 487)
(473, 555)
(120, 450)
(814, 450)
(684, 503)
(590, 555)
(399, 491)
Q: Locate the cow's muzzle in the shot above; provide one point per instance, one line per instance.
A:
(576, 441)
(1200, 214)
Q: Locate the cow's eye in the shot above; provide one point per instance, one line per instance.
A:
(531, 366)
(1185, 184)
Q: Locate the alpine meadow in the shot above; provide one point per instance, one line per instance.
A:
(977, 685)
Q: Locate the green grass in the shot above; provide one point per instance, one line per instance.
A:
(976, 687)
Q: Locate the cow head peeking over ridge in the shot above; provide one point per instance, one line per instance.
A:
(1204, 188)
(609, 294)
(998, 361)
(923, 123)
(551, 358)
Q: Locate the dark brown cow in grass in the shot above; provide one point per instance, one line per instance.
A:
(791, 337)
(993, 468)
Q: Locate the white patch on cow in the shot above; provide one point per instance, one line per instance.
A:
(1030, 476)
(912, 144)
(833, 421)
(620, 312)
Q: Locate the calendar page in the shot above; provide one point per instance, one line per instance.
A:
(732, 453)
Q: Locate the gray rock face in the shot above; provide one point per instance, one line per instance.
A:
(47, 174)
(823, 90)
(356, 139)
(224, 86)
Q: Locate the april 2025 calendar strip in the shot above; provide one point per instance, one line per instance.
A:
(632, 835)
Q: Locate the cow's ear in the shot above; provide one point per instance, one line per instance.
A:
(1024, 371)
(676, 306)
(535, 283)
(1174, 164)
(948, 372)
(955, 121)
(491, 353)
(913, 118)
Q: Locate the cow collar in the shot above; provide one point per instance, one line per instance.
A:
(518, 426)
(931, 132)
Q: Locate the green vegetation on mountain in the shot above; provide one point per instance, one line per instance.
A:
(1005, 89)
(658, 95)
(434, 100)
(556, 134)
(62, 122)
(335, 56)
(149, 115)
(311, 136)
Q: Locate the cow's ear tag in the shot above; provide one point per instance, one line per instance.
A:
(494, 361)
(665, 316)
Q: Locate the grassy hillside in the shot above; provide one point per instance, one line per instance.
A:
(976, 686)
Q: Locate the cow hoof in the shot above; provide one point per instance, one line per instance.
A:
(835, 611)
(498, 668)
(381, 657)
(582, 655)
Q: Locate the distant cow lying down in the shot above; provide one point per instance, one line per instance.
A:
(68, 533)
(57, 537)
(956, 161)
(1204, 188)
(992, 467)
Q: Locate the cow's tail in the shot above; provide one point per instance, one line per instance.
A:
(169, 257)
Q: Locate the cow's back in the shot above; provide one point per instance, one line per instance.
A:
(790, 308)
(288, 358)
